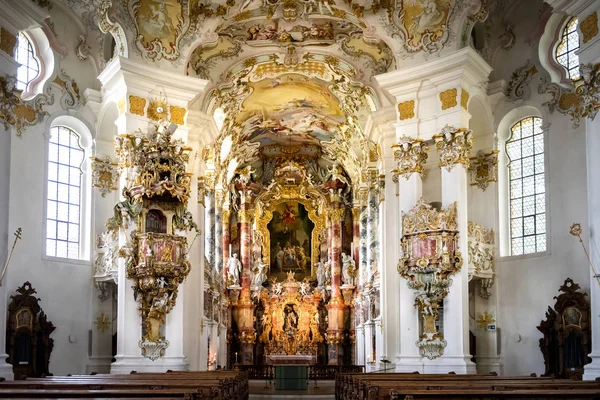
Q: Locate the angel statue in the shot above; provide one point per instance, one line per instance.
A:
(304, 289)
(335, 173)
(348, 268)
(234, 268)
(259, 277)
(278, 289)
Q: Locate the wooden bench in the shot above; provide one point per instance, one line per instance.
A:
(188, 385)
(375, 386)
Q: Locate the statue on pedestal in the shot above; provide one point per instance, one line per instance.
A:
(321, 274)
(259, 277)
(234, 268)
(348, 268)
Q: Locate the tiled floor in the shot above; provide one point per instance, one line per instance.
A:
(324, 390)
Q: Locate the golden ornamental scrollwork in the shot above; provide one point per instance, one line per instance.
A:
(105, 175)
(481, 257)
(429, 256)
(410, 155)
(246, 215)
(157, 109)
(483, 169)
(335, 214)
(589, 27)
(464, 99)
(8, 42)
(454, 147)
(406, 110)
(177, 114)
(448, 98)
(137, 105)
(16, 112)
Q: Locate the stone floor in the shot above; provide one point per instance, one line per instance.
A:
(324, 391)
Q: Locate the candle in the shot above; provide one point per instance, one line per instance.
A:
(230, 256)
(352, 249)
(236, 357)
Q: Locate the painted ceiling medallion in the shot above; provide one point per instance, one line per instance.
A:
(424, 24)
(160, 26)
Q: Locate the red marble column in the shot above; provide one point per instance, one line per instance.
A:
(225, 213)
(356, 238)
(335, 307)
(244, 309)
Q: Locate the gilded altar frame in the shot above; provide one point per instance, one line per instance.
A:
(303, 192)
(317, 219)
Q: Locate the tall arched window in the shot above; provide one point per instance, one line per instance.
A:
(567, 47)
(29, 68)
(527, 191)
(64, 202)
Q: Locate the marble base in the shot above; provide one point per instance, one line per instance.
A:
(126, 364)
(485, 365)
(409, 364)
(6, 370)
(446, 364)
(592, 370)
(99, 365)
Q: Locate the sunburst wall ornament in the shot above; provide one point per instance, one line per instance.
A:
(157, 110)
(102, 323)
(485, 319)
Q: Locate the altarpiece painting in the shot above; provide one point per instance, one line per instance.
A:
(290, 232)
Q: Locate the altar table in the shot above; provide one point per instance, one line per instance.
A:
(291, 372)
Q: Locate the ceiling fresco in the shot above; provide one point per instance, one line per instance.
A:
(292, 79)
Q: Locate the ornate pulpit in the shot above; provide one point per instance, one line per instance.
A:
(429, 256)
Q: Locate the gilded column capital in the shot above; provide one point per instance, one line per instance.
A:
(454, 146)
(246, 215)
(219, 197)
(410, 155)
(356, 212)
(335, 214)
(225, 213)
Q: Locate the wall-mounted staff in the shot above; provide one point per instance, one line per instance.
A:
(18, 233)
(576, 230)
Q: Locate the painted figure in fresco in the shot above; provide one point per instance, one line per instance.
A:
(260, 277)
(321, 274)
(279, 257)
(234, 268)
(301, 258)
(429, 18)
(348, 268)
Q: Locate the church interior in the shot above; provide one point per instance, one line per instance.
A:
(390, 199)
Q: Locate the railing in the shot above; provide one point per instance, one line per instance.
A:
(315, 372)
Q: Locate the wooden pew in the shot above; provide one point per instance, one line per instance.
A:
(424, 386)
(189, 385)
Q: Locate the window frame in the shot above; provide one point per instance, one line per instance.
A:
(521, 182)
(31, 43)
(504, 133)
(85, 237)
(562, 35)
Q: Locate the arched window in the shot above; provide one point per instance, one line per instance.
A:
(64, 198)
(567, 47)
(527, 190)
(29, 67)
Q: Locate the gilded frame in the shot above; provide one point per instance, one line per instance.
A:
(318, 220)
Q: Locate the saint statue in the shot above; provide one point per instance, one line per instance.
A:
(259, 277)
(321, 274)
(348, 268)
(234, 268)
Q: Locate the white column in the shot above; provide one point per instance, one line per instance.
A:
(370, 354)
(456, 312)
(360, 345)
(408, 359)
(592, 370)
